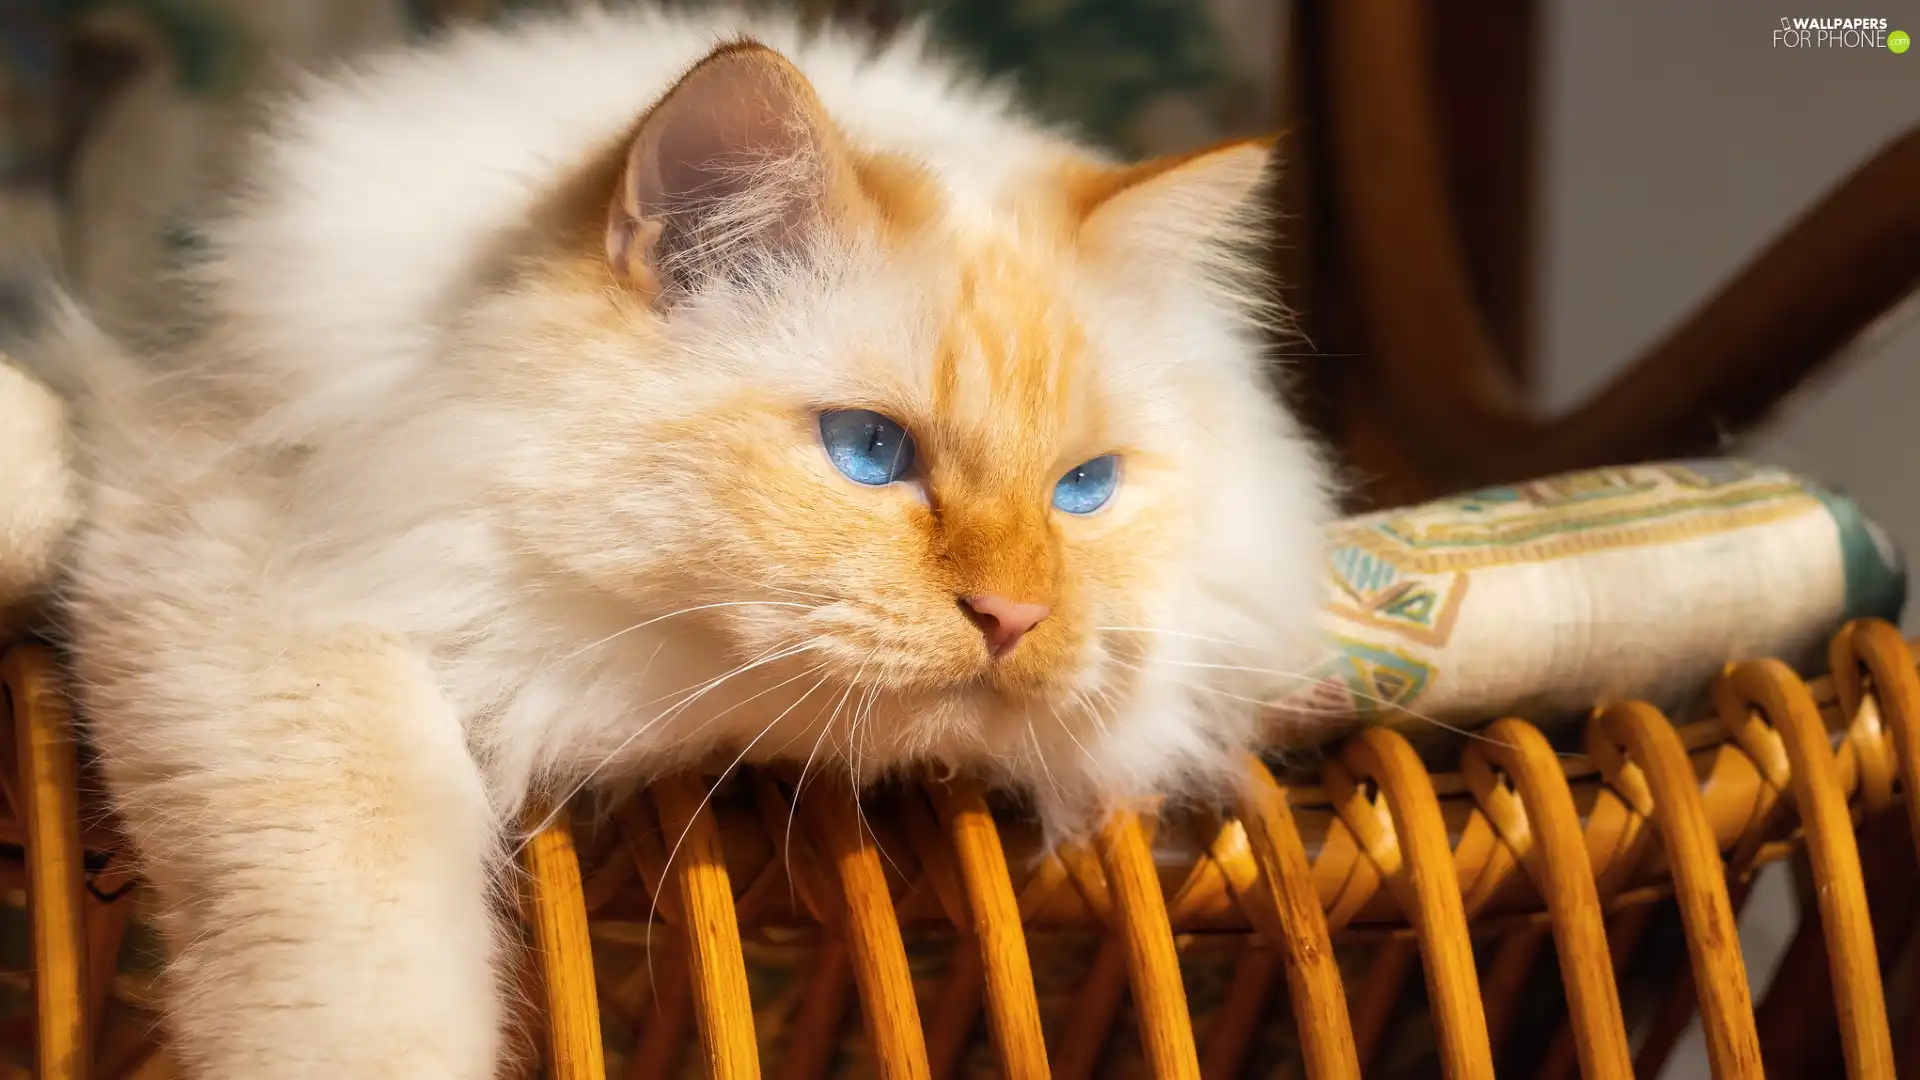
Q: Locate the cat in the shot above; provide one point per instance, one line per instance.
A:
(575, 401)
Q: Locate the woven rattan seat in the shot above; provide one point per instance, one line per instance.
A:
(1522, 849)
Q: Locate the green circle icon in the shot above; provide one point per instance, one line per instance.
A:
(1898, 41)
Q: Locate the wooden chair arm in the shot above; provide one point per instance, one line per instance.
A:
(1846, 263)
(1433, 369)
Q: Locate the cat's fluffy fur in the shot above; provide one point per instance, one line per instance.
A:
(454, 493)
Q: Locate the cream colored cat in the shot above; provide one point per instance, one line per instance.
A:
(576, 401)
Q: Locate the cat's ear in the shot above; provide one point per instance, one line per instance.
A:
(731, 169)
(1177, 209)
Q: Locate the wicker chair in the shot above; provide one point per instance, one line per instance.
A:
(1516, 849)
(1468, 875)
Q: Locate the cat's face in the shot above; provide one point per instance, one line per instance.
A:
(988, 460)
(938, 474)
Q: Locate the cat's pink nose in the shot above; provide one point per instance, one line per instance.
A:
(1003, 622)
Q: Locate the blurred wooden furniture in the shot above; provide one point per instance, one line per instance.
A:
(1470, 876)
(1408, 204)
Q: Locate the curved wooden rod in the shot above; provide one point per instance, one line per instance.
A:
(558, 911)
(1434, 366)
(872, 934)
(1878, 647)
(1770, 687)
(46, 797)
(1013, 1009)
(1644, 753)
(1432, 892)
(1313, 977)
(1159, 995)
(1533, 810)
(716, 963)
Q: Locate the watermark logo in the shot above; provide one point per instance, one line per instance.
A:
(1828, 33)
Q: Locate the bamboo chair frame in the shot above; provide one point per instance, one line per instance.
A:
(1521, 845)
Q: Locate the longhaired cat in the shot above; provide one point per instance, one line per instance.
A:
(589, 398)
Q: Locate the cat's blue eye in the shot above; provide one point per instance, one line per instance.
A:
(866, 447)
(1087, 486)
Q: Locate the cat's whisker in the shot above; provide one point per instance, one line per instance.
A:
(790, 591)
(853, 766)
(1040, 758)
(559, 807)
(1209, 689)
(1068, 728)
(1184, 635)
(856, 725)
(783, 643)
(845, 695)
(743, 702)
(666, 867)
(793, 805)
(1107, 700)
(1384, 703)
(643, 624)
(686, 694)
(1301, 709)
(855, 758)
(1095, 709)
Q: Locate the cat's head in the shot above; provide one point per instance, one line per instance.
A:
(997, 461)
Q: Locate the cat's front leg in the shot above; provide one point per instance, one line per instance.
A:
(321, 839)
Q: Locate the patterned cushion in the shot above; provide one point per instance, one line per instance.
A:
(1545, 598)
